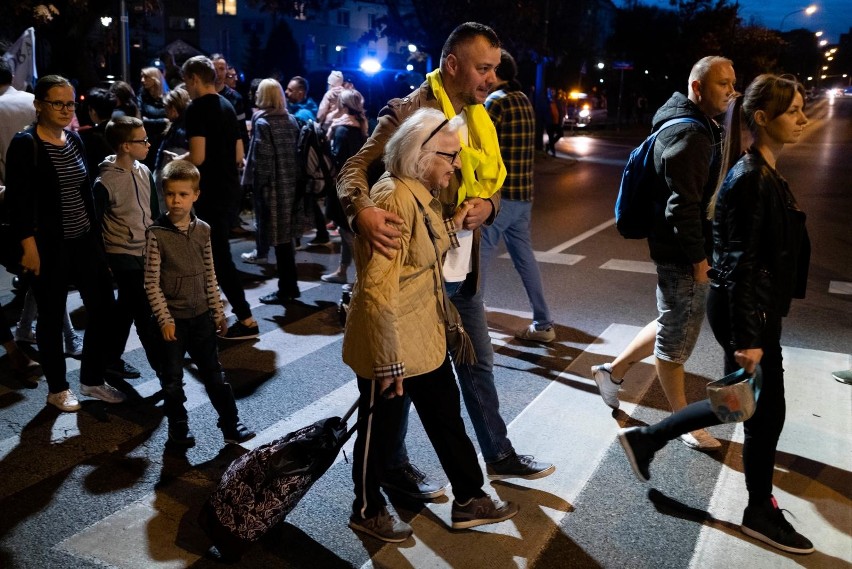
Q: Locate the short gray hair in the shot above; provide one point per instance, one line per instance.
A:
(702, 68)
(404, 154)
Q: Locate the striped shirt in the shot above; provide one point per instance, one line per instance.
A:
(70, 167)
(513, 117)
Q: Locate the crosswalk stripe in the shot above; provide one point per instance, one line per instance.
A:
(630, 266)
(816, 435)
(839, 287)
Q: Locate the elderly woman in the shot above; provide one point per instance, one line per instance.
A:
(271, 172)
(395, 334)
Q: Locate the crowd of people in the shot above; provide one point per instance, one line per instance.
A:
(146, 198)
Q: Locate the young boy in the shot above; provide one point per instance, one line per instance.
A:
(182, 289)
(126, 204)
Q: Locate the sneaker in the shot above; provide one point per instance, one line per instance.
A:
(531, 334)
(383, 526)
(25, 335)
(299, 246)
(239, 331)
(64, 401)
(334, 277)
(180, 435)
(123, 369)
(767, 523)
(843, 376)
(607, 386)
(23, 367)
(104, 392)
(278, 298)
(253, 258)
(412, 482)
(518, 466)
(237, 433)
(320, 242)
(74, 346)
(481, 511)
(640, 449)
(700, 440)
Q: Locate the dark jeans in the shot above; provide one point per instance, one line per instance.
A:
(288, 284)
(132, 307)
(436, 398)
(196, 336)
(5, 332)
(226, 270)
(80, 262)
(763, 429)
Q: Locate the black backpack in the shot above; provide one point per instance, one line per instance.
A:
(635, 207)
(317, 172)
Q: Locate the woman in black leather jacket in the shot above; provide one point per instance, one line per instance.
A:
(760, 262)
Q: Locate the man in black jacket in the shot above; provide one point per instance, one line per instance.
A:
(687, 159)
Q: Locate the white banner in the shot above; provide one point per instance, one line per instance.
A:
(21, 57)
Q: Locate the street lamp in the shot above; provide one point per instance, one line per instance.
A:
(809, 10)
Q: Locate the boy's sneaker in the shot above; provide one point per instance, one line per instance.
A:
(518, 466)
(412, 482)
(640, 449)
(237, 433)
(180, 435)
(532, 334)
(25, 335)
(766, 522)
(383, 526)
(607, 386)
(253, 258)
(123, 370)
(481, 511)
(105, 392)
(239, 331)
(64, 401)
(74, 346)
(700, 440)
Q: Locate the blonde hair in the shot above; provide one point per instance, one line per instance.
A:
(270, 97)
(156, 76)
(181, 171)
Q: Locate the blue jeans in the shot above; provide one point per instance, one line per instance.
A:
(513, 225)
(681, 303)
(477, 386)
(261, 215)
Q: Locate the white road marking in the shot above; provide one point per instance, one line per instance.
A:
(630, 266)
(839, 287)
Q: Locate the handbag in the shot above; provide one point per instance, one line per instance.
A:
(734, 397)
(458, 341)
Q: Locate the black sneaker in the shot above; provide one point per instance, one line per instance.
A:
(518, 466)
(122, 369)
(481, 511)
(239, 331)
(412, 482)
(766, 522)
(237, 433)
(639, 449)
(180, 435)
(277, 298)
(383, 526)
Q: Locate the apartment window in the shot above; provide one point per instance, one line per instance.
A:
(226, 7)
(343, 18)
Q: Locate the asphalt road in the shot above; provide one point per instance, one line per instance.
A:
(96, 488)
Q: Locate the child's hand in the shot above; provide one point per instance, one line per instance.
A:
(460, 214)
(168, 331)
(222, 326)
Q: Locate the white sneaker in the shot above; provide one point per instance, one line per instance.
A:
(104, 392)
(252, 258)
(531, 334)
(74, 346)
(607, 387)
(64, 401)
(700, 440)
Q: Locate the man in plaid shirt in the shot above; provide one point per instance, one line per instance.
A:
(514, 119)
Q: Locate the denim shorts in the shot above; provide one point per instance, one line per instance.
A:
(682, 304)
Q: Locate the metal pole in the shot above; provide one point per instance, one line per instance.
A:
(124, 40)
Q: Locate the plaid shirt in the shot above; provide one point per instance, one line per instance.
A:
(514, 119)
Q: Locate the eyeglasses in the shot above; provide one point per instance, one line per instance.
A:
(59, 105)
(450, 156)
(142, 141)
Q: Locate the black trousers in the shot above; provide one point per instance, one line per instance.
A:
(132, 307)
(288, 283)
(226, 270)
(81, 262)
(436, 397)
(763, 429)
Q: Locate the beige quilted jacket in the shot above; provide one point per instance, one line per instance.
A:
(396, 313)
